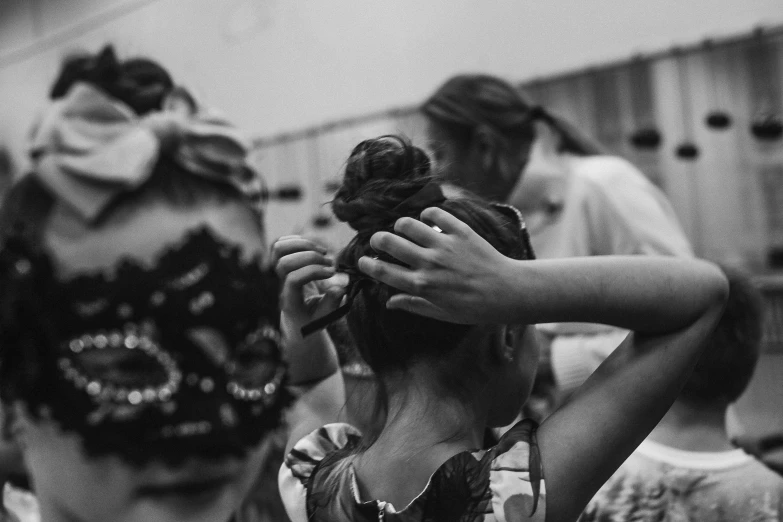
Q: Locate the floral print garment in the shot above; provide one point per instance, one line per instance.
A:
(502, 484)
(662, 484)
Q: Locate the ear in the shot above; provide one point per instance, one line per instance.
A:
(503, 345)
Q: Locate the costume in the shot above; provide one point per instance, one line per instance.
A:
(502, 484)
(117, 356)
(113, 357)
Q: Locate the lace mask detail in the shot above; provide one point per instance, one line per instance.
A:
(164, 363)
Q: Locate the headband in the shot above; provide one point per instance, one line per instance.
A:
(89, 147)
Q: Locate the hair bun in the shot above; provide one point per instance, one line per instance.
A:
(380, 174)
(140, 83)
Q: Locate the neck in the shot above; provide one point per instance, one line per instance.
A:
(421, 418)
(423, 429)
(693, 427)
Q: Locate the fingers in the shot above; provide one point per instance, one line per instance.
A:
(331, 300)
(393, 275)
(298, 260)
(309, 273)
(289, 244)
(445, 221)
(418, 306)
(339, 280)
(418, 232)
(399, 248)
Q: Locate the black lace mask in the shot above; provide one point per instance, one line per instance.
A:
(180, 360)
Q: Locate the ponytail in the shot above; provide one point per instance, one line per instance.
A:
(572, 140)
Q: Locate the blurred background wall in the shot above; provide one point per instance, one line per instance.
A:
(277, 65)
(308, 79)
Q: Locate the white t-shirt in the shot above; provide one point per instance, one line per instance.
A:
(659, 482)
(608, 208)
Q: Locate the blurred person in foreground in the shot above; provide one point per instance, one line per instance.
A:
(142, 370)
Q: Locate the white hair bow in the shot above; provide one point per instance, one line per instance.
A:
(89, 148)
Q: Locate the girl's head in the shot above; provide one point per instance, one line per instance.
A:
(138, 341)
(481, 130)
(726, 366)
(385, 179)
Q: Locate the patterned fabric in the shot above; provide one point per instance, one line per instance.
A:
(140, 320)
(502, 484)
(658, 483)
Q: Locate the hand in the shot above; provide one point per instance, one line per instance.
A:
(454, 275)
(310, 287)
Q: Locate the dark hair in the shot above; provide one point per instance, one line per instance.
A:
(380, 174)
(6, 170)
(470, 101)
(732, 350)
(142, 84)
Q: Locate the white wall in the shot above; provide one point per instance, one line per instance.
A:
(276, 65)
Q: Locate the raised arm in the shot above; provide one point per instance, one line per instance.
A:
(670, 304)
(455, 275)
(314, 374)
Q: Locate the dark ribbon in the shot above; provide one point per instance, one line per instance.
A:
(357, 282)
(535, 470)
(429, 195)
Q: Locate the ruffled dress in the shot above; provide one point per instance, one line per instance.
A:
(502, 484)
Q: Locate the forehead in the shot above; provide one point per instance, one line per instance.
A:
(144, 233)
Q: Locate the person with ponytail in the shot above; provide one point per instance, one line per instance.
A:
(577, 200)
(481, 131)
(141, 364)
(443, 287)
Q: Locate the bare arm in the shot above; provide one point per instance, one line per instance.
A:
(314, 373)
(459, 277)
(670, 305)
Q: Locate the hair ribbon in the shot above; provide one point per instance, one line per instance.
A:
(89, 147)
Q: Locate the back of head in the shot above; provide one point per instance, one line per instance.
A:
(140, 83)
(469, 101)
(385, 179)
(732, 350)
(142, 86)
